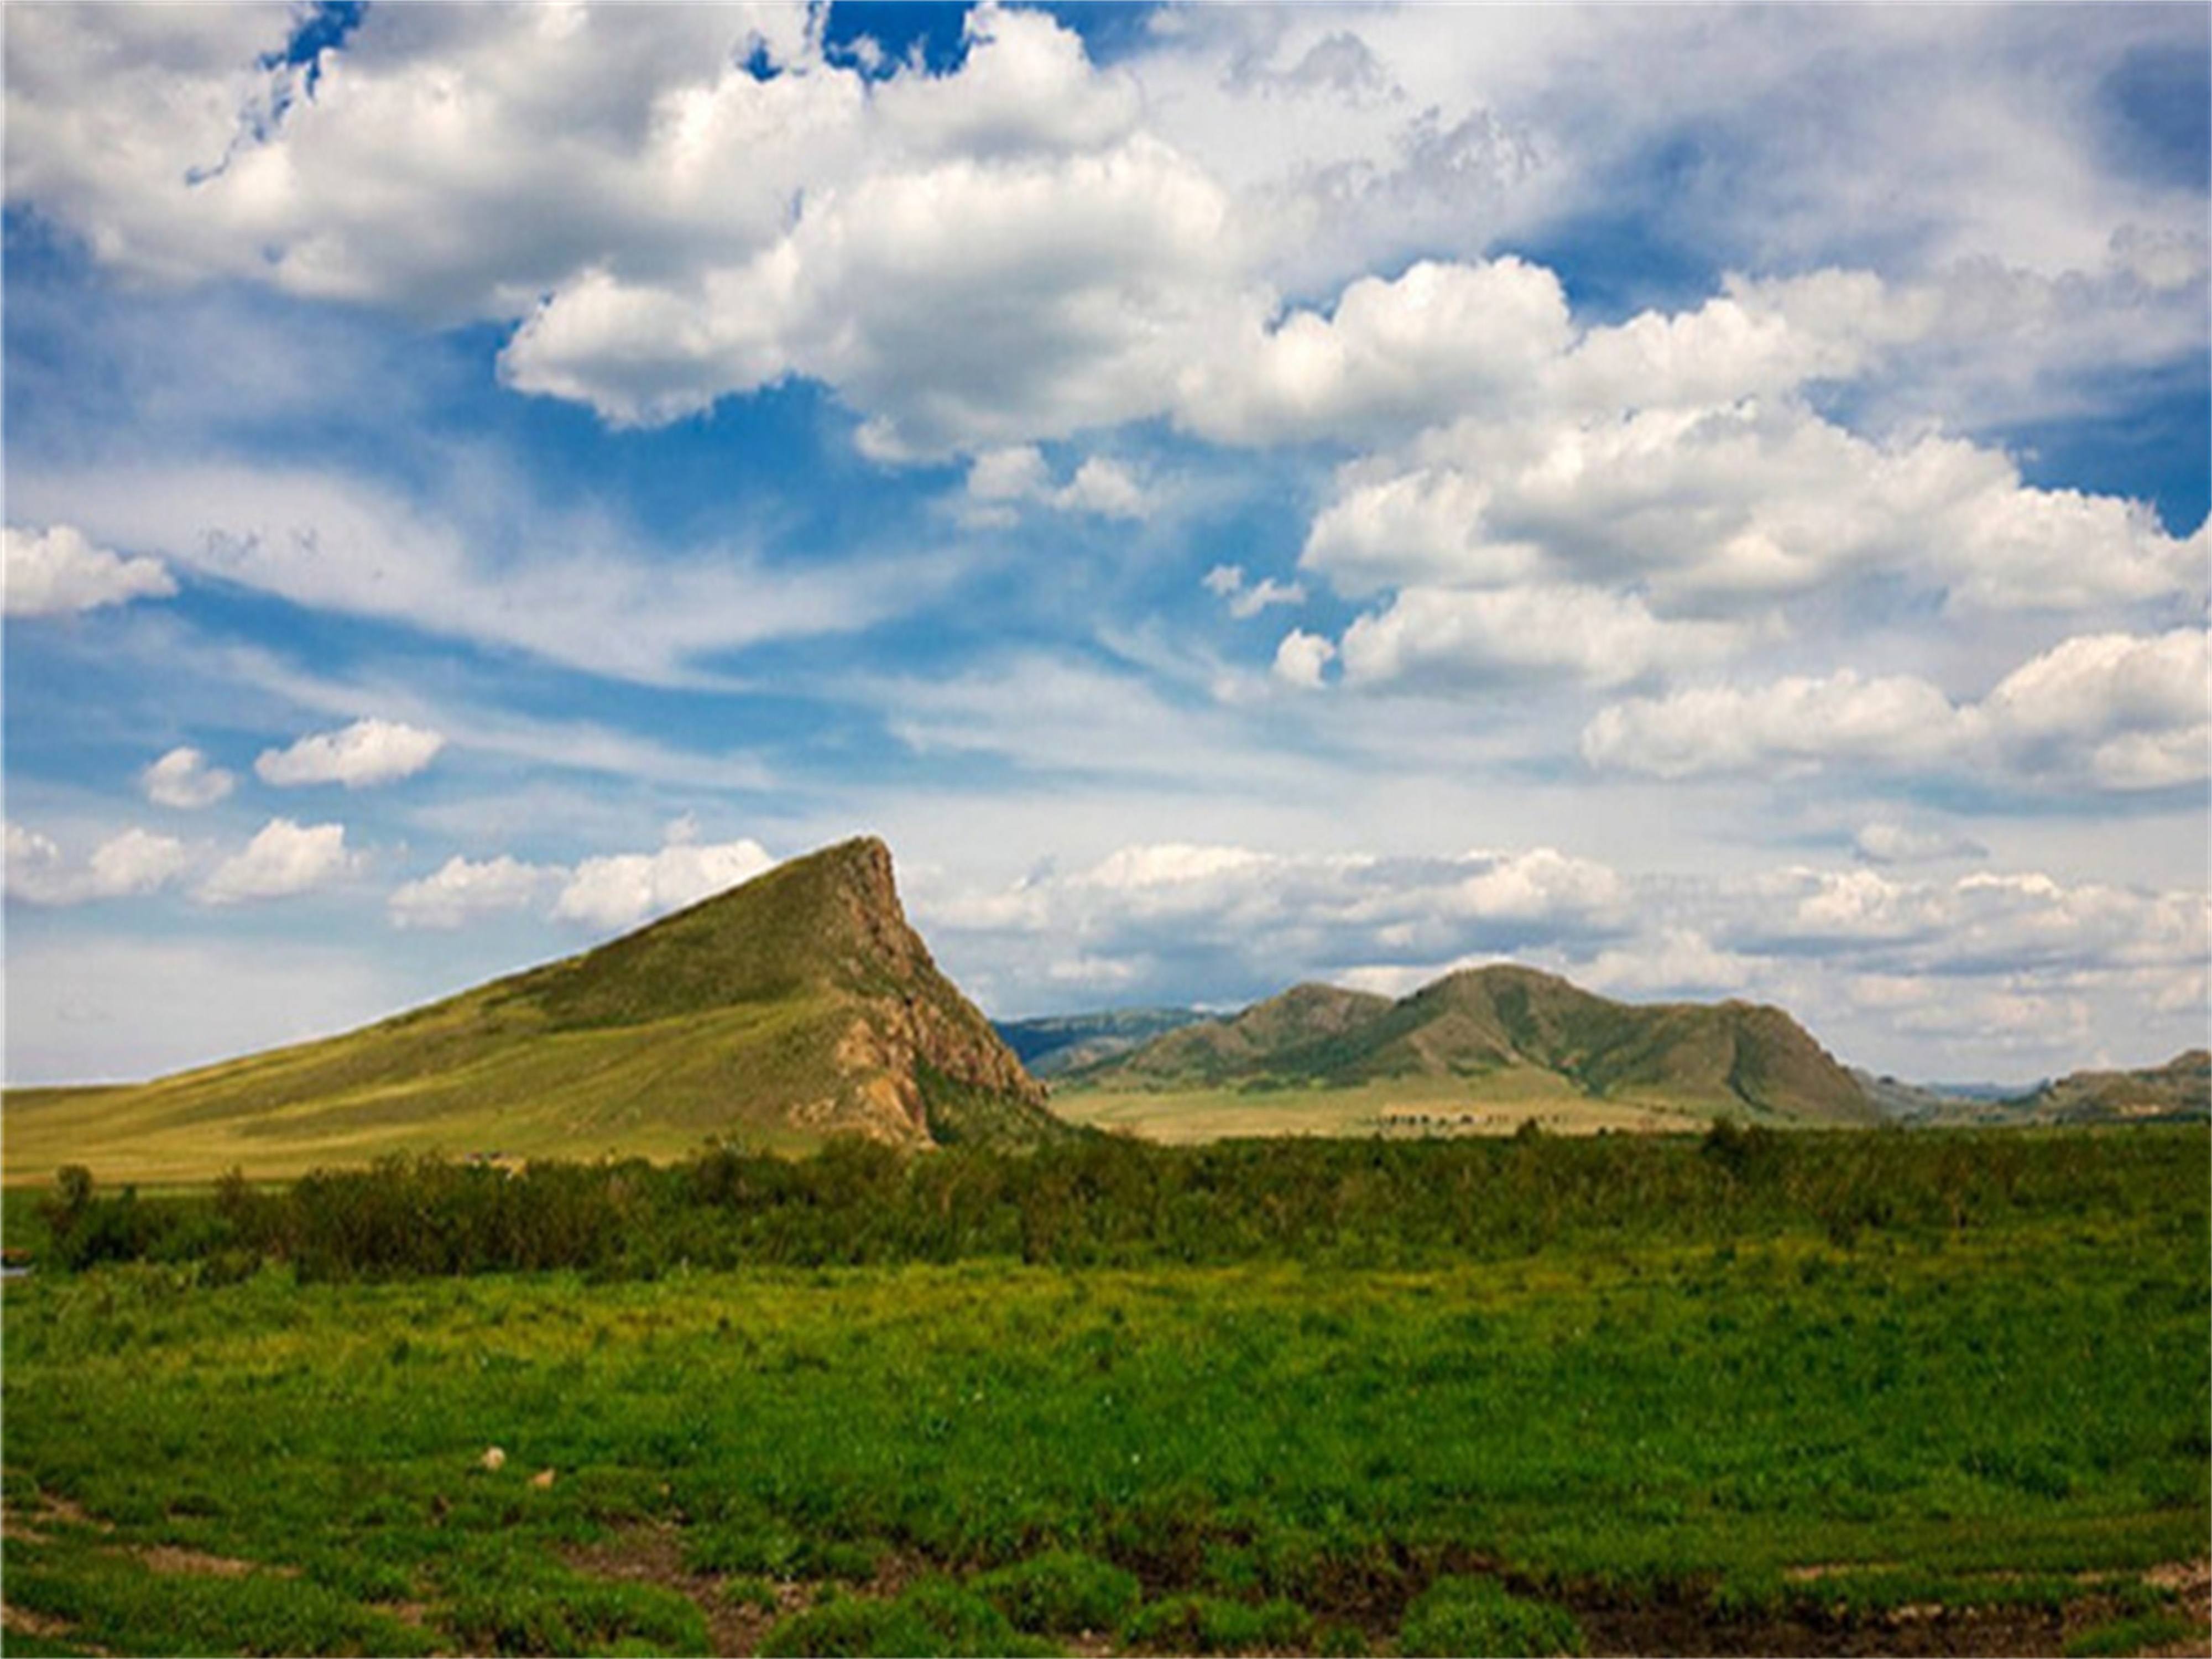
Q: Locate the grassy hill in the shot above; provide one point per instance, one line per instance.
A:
(1479, 1048)
(1065, 1043)
(797, 1006)
(2178, 1091)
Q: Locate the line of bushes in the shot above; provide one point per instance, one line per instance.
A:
(1103, 1201)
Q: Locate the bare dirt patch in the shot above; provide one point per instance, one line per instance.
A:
(655, 1555)
(48, 1511)
(1918, 1631)
(735, 1626)
(2192, 1581)
(24, 1622)
(168, 1559)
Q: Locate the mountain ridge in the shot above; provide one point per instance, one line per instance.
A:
(1490, 1023)
(2180, 1089)
(795, 1006)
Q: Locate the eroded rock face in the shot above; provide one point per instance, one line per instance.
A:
(913, 1018)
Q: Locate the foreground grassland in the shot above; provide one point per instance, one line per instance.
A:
(1972, 1430)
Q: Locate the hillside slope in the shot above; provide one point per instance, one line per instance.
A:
(2178, 1092)
(1055, 1043)
(2180, 1089)
(799, 1006)
(1501, 1026)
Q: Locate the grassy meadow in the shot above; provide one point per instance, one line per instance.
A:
(1974, 1418)
(1402, 1105)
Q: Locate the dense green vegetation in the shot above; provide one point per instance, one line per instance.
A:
(1751, 1392)
(1103, 1201)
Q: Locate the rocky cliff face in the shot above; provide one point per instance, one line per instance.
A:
(919, 1061)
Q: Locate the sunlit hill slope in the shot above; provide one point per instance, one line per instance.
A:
(797, 1006)
(1506, 1033)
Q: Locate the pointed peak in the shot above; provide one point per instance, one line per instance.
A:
(869, 853)
(862, 865)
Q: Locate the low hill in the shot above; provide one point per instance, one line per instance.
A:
(1507, 1033)
(2180, 1089)
(797, 1006)
(1283, 1037)
(2178, 1092)
(1063, 1042)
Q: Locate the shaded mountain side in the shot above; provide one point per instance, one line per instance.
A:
(1285, 1036)
(1486, 1024)
(1055, 1043)
(799, 1006)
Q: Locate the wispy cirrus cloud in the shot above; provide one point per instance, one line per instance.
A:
(575, 591)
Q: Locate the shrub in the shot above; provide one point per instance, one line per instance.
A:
(1062, 1592)
(1477, 1616)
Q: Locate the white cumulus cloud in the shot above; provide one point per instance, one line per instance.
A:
(627, 888)
(366, 753)
(56, 572)
(134, 862)
(2108, 711)
(1434, 635)
(1302, 659)
(2134, 713)
(1000, 479)
(283, 861)
(1441, 340)
(184, 780)
(963, 305)
(1893, 720)
(463, 891)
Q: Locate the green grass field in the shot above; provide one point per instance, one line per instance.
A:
(1976, 1439)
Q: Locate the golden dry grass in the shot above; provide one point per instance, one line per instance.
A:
(1497, 1105)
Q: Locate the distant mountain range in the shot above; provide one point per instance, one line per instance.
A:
(1492, 1025)
(1066, 1042)
(2178, 1092)
(801, 1006)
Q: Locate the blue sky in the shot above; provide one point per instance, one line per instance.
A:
(1708, 501)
